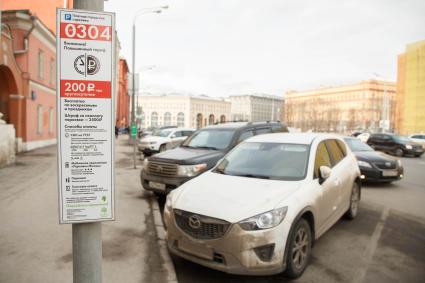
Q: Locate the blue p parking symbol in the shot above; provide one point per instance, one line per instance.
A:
(68, 17)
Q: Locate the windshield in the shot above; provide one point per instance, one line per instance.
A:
(277, 161)
(357, 145)
(210, 139)
(161, 133)
(402, 139)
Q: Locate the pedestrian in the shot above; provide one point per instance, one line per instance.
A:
(116, 131)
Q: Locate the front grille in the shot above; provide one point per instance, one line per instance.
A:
(386, 165)
(206, 228)
(162, 168)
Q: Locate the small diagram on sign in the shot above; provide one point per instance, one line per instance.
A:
(86, 65)
(68, 188)
(66, 164)
(67, 179)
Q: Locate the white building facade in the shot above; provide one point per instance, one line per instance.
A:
(256, 107)
(192, 111)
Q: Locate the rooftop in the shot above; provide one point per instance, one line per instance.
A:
(296, 138)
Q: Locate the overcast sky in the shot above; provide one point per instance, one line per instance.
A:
(222, 47)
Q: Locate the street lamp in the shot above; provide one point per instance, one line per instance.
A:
(140, 12)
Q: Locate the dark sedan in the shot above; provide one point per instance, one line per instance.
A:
(375, 166)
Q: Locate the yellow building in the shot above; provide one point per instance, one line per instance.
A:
(410, 116)
(368, 105)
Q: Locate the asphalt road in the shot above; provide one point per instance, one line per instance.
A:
(385, 243)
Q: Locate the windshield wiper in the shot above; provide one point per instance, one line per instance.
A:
(253, 176)
(205, 147)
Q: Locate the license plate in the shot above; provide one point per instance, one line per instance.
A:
(157, 186)
(196, 249)
(389, 173)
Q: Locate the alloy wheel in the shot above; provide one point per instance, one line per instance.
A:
(354, 200)
(300, 248)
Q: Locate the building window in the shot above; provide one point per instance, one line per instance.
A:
(51, 120)
(211, 119)
(39, 119)
(167, 119)
(154, 119)
(40, 64)
(180, 119)
(52, 71)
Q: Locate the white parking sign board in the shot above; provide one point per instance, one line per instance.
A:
(85, 84)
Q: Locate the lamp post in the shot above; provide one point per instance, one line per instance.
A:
(133, 105)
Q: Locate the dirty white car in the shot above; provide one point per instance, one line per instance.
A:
(260, 209)
(164, 139)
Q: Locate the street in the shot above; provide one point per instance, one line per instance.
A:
(385, 243)
(35, 248)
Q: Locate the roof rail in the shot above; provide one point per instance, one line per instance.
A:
(262, 122)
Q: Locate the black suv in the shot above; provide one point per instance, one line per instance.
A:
(166, 171)
(394, 144)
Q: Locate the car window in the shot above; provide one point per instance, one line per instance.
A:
(335, 152)
(245, 135)
(210, 138)
(416, 137)
(342, 147)
(187, 133)
(278, 129)
(263, 131)
(322, 159)
(178, 134)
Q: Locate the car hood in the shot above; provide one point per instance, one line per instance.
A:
(231, 198)
(375, 156)
(185, 155)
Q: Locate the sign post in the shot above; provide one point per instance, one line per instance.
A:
(85, 112)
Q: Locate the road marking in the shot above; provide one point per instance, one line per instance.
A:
(371, 248)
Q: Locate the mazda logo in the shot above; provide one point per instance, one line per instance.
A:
(195, 222)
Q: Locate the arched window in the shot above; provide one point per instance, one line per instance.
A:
(211, 119)
(167, 119)
(222, 118)
(154, 119)
(180, 119)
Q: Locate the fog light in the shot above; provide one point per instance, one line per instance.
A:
(265, 253)
(362, 177)
(401, 176)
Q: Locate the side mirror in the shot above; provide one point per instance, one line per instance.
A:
(173, 136)
(324, 172)
(218, 161)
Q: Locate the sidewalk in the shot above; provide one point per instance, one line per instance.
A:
(35, 248)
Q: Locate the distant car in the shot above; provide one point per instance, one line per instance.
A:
(363, 137)
(375, 166)
(355, 134)
(263, 205)
(166, 171)
(418, 138)
(164, 139)
(395, 144)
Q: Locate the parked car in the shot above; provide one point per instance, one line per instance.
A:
(394, 144)
(168, 170)
(363, 137)
(418, 138)
(164, 139)
(375, 166)
(260, 209)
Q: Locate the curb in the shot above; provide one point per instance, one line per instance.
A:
(163, 250)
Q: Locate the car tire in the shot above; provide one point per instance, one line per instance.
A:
(354, 202)
(162, 148)
(299, 249)
(399, 152)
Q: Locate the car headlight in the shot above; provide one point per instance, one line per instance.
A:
(145, 164)
(408, 146)
(364, 164)
(265, 220)
(154, 142)
(191, 170)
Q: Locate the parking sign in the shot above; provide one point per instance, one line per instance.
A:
(85, 84)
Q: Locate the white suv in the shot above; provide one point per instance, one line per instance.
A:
(260, 208)
(164, 139)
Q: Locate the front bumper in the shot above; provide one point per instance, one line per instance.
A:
(148, 148)
(415, 151)
(234, 252)
(170, 182)
(377, 175)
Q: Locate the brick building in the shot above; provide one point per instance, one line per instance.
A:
(27, 79)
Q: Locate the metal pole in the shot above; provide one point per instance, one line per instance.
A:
(133, 106)
(87, 237)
